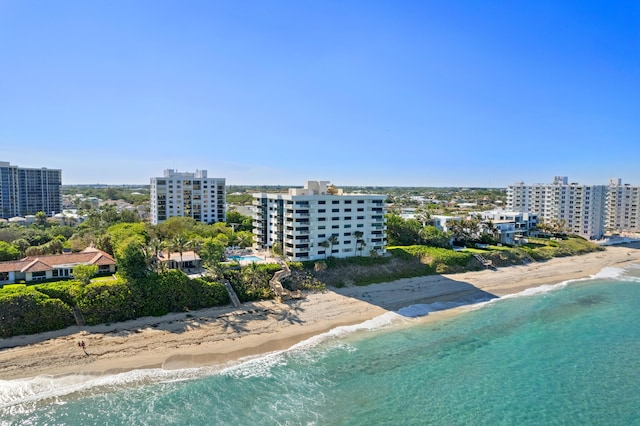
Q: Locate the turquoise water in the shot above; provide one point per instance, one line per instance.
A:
(241, 258)
(566, 354)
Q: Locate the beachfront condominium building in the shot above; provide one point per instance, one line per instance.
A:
(188, 195)
(580, 209)
(623, 207)
(319, 221)
(27, 191)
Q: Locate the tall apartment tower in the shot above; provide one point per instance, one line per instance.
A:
(623, 207)
(319, 221)
(25, 191)
(189, 195)
(582, 208)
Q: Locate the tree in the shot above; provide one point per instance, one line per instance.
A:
(239, 222)
(41, 219)
(84, 273)
(131, 261)
(174, 226)
(402, 232)
(325, 244)
(434, 237)
(362, 243)
(8, 251)
(276, 248)
(180, 243)
(22, 245)
(211, 252)
(253, 276)
(151, 251)
(121, 232)
(423, 216)
(332, 240)
(243, 238)
(359, 240)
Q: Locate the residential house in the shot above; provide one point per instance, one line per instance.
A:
(37, 268)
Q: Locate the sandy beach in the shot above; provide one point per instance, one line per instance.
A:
(219, 335)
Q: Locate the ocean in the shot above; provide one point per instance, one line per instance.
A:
(558, 354)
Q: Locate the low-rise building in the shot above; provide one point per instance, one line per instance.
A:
(37, 268)
(508, 227)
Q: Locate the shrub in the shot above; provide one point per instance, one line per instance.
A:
(106, 302)
(27, 311)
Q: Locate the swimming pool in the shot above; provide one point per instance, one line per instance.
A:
(241, 258)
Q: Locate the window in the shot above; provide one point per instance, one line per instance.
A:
(322, 210)
(335, 202)
(322, 202)
(347, 201)
(360, 201)
(322, 235)
(335, 210)
(335, 226)
(347, 234)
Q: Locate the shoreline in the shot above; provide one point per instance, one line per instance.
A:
(217, 336)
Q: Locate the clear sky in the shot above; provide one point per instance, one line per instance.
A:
(406, 93)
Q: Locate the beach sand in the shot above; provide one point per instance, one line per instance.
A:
(220, 335)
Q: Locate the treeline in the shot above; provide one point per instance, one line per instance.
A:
(52, 306)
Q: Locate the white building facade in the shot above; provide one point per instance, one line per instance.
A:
(510, 227)
(580, 208)
(319, 221)
(188, 195)
(623, 207)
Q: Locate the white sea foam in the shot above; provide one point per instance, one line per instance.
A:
(40, 388)
(609, 273)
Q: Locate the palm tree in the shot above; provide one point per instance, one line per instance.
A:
(253, 276)
(332, 240)
(358, 235)
(423, 216)
(179, 243)
(362, 244)
(325, 244)
(151, 251)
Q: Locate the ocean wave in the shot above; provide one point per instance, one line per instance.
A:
(31, 391)
(609, 272)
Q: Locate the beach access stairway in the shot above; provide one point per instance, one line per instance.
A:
(276, 285)
(486, 263)
(232, 294)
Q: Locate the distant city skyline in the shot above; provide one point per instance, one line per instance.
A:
(360, 93)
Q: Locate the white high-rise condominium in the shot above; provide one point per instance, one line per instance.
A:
(580, 208)
(623, 207)
(27, 191)
(189, 195)
(319, 221)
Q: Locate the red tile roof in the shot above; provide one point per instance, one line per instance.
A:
(89, 256)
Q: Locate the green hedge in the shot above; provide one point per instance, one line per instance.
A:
(105, 302)
(46, 307)
(27, 311)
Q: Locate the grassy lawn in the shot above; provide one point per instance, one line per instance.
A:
(101, 279)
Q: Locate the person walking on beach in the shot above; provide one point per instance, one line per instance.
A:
(83, 346)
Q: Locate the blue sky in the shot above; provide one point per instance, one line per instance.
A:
(406, 93)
